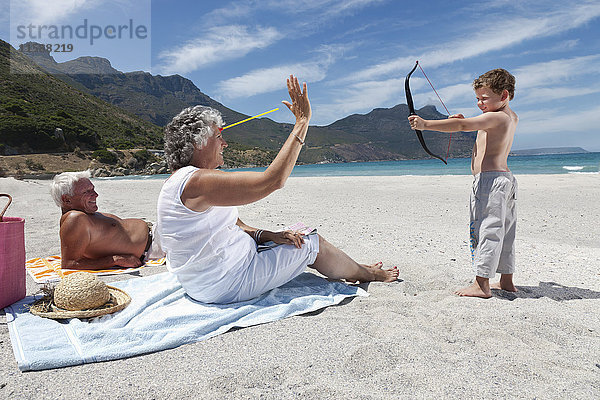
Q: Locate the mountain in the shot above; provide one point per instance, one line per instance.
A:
(40, 113)
(388, 128)
(382, 134)
(154, 98)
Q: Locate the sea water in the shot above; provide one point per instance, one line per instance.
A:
(583, 163)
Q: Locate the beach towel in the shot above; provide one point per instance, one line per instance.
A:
(47, 269)
(157, 319)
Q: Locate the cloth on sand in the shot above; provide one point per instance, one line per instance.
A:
(47, 269)
(157, 319)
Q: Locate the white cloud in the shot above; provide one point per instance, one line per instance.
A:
(231, 11)
(502, 34)
(270, 79)
(565, 45)
(458, 92)
(557, 121)
(44, 12)
(335, 8)
(536, 83)
(218, 44)
(539, 82)
(312, 12)
(556, 71)
(545, 94)
(362, 97)
(329, 8)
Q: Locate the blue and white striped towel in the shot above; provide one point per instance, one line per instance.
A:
(161, 316)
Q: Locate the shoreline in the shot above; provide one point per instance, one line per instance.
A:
(130, 165)
(409, 339)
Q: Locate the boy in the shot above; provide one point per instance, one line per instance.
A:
(493, 198)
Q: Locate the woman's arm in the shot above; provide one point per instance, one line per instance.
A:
(262, 236)
(207, 188)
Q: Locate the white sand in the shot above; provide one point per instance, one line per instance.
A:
(409, 339)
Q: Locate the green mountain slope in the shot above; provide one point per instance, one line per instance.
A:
(34, 104)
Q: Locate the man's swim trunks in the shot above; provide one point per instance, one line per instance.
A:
(153, 251)
(493, 223)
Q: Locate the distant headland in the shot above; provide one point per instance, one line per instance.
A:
(548, 150)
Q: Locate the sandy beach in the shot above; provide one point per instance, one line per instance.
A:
(408, 339)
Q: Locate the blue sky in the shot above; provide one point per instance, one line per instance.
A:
(354, 54)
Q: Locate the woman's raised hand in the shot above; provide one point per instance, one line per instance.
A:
(300, 105)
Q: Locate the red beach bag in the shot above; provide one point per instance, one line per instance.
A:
(12, 257)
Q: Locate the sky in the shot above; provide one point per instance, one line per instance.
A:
(353, 54)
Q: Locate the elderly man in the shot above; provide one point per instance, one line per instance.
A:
(93, 240)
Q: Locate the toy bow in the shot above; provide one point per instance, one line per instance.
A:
(411, 109)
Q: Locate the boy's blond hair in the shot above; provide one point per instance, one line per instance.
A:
(497, 80)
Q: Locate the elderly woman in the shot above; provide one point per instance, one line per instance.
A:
(212, 252)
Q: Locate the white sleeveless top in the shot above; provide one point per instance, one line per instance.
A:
(206, 250)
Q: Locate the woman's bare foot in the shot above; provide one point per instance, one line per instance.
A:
(381, 275)
(385, 275)
(376, 265)
(505, 283)
(479, 288)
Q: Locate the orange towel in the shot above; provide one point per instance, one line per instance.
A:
(47, 269)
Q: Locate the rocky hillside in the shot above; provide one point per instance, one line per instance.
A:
(39, 113)
(154, 98)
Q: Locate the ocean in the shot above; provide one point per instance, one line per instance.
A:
(584, 163)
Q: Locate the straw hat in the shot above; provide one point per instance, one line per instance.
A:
(81, 295)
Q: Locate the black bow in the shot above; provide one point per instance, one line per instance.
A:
(411, 109)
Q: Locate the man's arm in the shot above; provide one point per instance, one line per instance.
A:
(75, 237)
(484, 121)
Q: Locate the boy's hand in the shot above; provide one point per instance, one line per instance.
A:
(416, 122)
(459, 116)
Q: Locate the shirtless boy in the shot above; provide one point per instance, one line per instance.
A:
(493, 198)
(93, 240)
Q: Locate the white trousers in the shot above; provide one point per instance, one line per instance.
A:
(493, 223)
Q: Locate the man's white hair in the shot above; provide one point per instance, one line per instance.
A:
(63, 184)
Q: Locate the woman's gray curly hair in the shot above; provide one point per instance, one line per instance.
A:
(192, 125)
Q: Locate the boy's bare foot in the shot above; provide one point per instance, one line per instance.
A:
(505, 283)
(479, 288)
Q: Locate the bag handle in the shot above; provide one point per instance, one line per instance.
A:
(7, 204)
